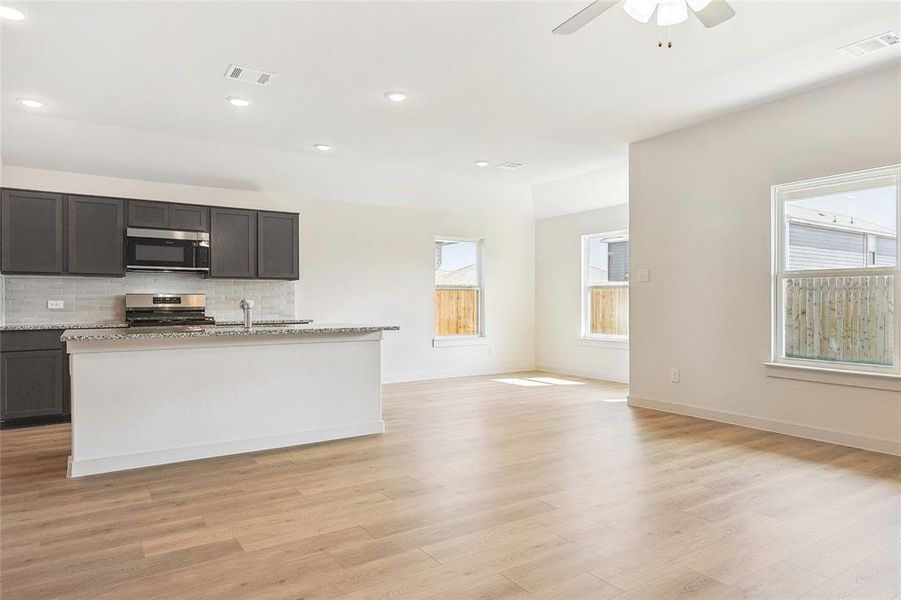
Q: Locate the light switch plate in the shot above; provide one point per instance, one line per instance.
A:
(644, 275)
(56, 304)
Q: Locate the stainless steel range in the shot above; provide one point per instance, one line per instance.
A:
(166, 310)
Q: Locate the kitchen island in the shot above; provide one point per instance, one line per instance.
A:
(144, 396)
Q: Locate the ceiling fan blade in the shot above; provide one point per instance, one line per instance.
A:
(718, 11)
(583, 17)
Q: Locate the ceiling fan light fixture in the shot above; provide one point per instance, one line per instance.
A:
(710, 13)
(640, 10)
(698, 5)
(671, 12)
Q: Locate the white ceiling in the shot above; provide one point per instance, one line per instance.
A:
(487, 81)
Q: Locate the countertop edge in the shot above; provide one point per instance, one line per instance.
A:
(62, 326)
(76, 335)
(121, 325)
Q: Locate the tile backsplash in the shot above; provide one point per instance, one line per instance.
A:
(23, 299)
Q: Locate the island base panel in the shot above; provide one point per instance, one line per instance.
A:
(138, 407)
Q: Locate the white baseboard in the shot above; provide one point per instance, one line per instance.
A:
(93, 466)
(803, 431)
(447, 374)
(584, 373)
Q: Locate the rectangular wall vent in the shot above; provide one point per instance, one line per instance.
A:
(511, 165)
(254, 76)
(873, 44)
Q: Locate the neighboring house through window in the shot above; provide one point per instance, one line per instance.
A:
(836, 271)
(605, 285)
(458, 287)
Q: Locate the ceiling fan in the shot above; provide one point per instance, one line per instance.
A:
(669, 12)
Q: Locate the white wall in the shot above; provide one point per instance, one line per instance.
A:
(607, 186)
(558, 303)
(368, 263)
(36, 141)
(700, 221)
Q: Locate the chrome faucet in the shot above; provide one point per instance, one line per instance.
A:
(247, 307)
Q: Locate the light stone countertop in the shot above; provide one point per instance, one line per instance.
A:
(121, 324)
(49, 326)
(267, 322)
(155, 333)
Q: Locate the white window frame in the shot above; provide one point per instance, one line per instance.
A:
(781, 194)
(462, 340)
(620, 235)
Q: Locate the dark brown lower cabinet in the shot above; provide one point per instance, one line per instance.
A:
(34, 378)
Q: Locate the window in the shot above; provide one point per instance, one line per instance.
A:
(605, 285)
(458, 287)
(836, 257)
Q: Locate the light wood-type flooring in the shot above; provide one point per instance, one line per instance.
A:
(480, 489)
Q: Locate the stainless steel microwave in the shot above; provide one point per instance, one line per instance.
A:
(166, 250)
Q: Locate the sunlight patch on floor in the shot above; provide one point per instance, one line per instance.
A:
(556, 381)
(536, 381)
(520, 381)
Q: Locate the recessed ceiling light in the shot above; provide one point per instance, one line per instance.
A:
(239, 102)
(322, 147)
(481, 163)
(10, 13)
(30, 102)
(396, 96)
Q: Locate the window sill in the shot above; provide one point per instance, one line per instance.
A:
(861, 379)
(605, 342)
(452, 342)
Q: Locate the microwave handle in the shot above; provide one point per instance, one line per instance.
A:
(196, 251)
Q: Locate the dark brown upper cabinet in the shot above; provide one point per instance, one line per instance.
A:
(58, 234)
(162, 215)
(278, 245)
(233, 243)
(148, 214)
(31, 232)
(188, 217)
(96, 236)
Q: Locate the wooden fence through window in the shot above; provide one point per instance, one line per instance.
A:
(846, 319)
(610, 310)
(456, 311)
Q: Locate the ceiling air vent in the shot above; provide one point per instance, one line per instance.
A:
(511, 165)
(870, 45)
(254, 76)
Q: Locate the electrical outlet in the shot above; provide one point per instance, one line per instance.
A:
(674, 375)
(644, 275)
(56, 304)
